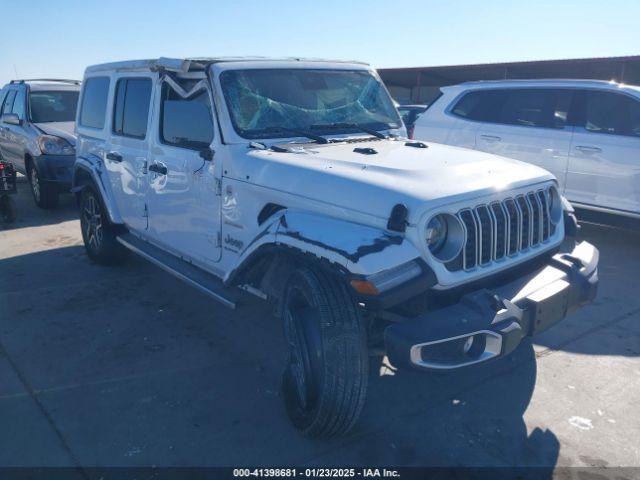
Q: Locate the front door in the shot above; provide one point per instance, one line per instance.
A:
(127, 156)
(604, 163)
(184, 206)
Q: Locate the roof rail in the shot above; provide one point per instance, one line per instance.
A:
(58, 80)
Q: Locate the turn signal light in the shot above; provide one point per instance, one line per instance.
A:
(364, 287)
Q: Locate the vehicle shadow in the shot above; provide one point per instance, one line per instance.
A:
(472, 417)
(29, 215)
(608, 325)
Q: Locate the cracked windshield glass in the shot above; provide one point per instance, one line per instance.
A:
(276, 103)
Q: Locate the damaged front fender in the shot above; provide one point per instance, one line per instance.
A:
(361, 249)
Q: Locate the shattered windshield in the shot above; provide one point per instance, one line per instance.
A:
(264, 103)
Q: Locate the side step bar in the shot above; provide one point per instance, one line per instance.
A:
(194, 276)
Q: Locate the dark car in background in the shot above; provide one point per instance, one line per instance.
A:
(410, 114)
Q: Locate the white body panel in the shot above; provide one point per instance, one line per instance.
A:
(595, 170)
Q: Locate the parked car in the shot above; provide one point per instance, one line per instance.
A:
(36, 134)
(585, 132)
(290, 180)
(409, 115)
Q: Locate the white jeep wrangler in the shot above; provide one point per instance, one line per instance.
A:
(292, 180)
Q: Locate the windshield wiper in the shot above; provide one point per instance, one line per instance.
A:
(357, 126)
(296, 132)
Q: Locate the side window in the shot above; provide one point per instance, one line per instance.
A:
(18, 104)
(610, 113)
(131, 108)
(535, 107)
(481, 105)
(528, 108)
(8, 102)
(94, 102)
(185, 122)
(633, 125)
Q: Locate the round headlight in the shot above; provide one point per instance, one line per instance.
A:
(444, 237)
(436, 233)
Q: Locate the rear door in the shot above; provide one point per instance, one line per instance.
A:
(184, 205)
(128, 148)
(529, 125)
(604, 163)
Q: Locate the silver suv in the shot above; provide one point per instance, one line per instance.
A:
(37, 119)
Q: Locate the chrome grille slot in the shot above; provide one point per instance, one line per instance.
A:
(546, 218)
(523, 206)
(515, 223)
(470, 248)
(487, 234)
(503, 228)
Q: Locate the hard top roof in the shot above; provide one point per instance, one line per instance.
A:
(195, 64)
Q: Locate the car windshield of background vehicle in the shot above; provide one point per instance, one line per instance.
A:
(53, 106)
(262, 101)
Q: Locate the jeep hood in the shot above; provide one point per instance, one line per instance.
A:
(59, 129)
(373, 183)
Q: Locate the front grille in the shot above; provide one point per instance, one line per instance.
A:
(503, 228)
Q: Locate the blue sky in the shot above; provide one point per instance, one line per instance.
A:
(60, 38)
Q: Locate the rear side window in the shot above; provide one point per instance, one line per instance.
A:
(18, 104)
(8, 102)
(612, 113)
(94, 102)
(131, 109)
(186, 122)
(535, 107)
(481, 105)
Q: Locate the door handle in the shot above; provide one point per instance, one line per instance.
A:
(114, 157)
(586, 149)
(490, 138)
(158, 168)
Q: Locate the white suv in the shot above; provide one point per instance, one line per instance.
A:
(585, 132)
(291, 180)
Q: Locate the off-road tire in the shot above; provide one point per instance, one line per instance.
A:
(7, 209)
(44, 193)
(323, 395)
(98, 234)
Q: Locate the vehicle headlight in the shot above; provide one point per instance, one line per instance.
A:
(555, 205)
(436, 233)
(444, 236)
(52, 145)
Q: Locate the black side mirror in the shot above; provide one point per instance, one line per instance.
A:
(206, 154)
(11, 119)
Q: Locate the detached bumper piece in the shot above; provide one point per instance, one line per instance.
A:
(490, 323)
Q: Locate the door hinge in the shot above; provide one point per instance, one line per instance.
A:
(218, 186)
(145, 213)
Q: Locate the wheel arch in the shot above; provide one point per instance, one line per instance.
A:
(87, 171)
(341, 248)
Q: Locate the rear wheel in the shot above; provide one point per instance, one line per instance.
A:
(98, 234)
(44, 194)
(325, 381)
(8, 209)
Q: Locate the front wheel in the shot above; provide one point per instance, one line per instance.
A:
(44, 194)
(325, 381)
(98, 234)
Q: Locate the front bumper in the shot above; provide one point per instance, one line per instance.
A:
(57, 169)
(491, 322)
